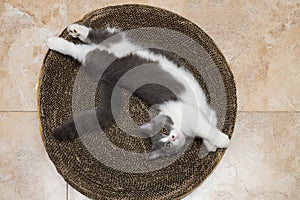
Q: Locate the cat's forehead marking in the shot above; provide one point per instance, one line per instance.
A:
(162, 120)
(169, 120)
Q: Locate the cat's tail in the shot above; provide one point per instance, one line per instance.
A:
(66, 132)
(85, 122)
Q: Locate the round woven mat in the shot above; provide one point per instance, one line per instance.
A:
(75, 163)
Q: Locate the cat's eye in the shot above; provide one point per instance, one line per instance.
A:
(164, 131)
(168, 145)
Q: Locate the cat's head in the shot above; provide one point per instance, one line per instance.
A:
(167, 139)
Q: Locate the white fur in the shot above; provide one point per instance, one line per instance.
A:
(80, 51)
(199, 119)
(193, 93)
(120, 49)
(68, 48)
(112, 29)
(191, 114)
(191, 122)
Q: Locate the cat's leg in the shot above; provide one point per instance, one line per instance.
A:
(109, 108)
(212, 118)
(217, 138)
(89, 35)
(65, 47)
(89, 121)
(211, 135)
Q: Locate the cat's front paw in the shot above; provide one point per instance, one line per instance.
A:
(223, 141)
(78, 31)
(55, 43)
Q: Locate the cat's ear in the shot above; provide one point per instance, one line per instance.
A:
(154, 111)
(153, 155)
(147, 127)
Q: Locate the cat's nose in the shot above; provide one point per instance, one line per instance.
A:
(173, 137)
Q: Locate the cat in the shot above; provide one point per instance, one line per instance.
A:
(181, 108)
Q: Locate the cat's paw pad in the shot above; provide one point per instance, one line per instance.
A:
(55, 43)
(223, 141)
(78, 31)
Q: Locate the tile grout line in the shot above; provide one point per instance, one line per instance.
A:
(18, 111)
(268, 111)
(67, 4)
(35, 111)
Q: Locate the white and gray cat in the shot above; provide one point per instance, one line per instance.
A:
(182, 107)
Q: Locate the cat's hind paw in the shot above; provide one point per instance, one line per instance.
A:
(223, 141)
(78, 31)
(209, 147)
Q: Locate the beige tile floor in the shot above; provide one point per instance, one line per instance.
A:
(260, 40)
